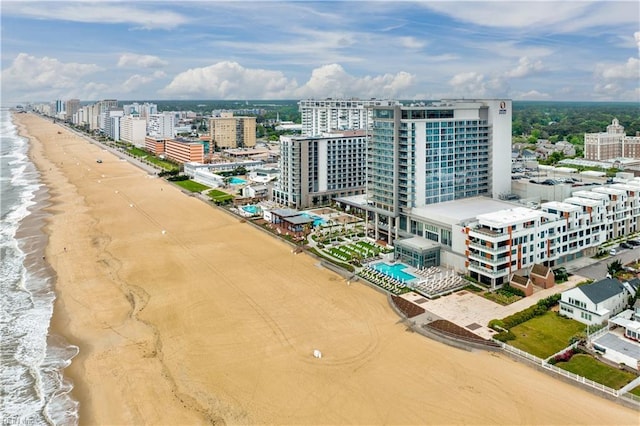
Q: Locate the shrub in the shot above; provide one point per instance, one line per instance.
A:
(505, 336)
(512, 290)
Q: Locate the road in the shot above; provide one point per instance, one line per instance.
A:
(598, 270)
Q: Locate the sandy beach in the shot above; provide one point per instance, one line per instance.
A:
(186, 315)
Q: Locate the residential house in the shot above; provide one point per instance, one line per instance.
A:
(594, 303)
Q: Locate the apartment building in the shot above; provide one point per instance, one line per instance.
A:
(71, 107)
(315, 169)
(330, 115)
(229, 131)
(161, 125)
(612, 144)
(184, 152)
(133, 130)
(154, 145)
(426, 154)
(500, 243)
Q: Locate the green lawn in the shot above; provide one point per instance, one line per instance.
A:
(587, 366)
(545, 335)
(219, 197)
(635, 391)
(163, 164)
(190, 185)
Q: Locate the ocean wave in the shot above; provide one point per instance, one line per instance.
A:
(31, 381)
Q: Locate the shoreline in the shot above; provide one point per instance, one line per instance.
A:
(42, 215)
(216, 322)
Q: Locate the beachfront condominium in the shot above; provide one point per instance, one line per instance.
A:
(133, 130)
(422, 154)
(161, 125)
(315, 169)
(71, 107)
(330, 115)
(612, 144)
(229, 131)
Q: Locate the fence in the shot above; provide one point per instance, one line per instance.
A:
(581, 379)
(568, 374)
(593, 336)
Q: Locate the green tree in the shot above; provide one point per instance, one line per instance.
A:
(614, 267)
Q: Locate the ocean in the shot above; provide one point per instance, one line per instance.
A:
(31, 360)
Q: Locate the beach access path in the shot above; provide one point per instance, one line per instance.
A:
(185, 314)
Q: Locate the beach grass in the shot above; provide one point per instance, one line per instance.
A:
(592, 369)
(546, 334)
(192, 186)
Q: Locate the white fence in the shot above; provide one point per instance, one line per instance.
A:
(560, 371)
(581, 379)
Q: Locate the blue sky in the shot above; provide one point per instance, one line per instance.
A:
(145, 50)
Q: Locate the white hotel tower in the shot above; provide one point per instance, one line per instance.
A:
(331, 115)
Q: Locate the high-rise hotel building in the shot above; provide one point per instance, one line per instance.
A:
(331, 115)
(315, 169)
(423, 154)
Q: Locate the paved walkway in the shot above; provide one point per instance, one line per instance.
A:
(473, 312)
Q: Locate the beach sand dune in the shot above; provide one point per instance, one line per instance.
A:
(186, 315)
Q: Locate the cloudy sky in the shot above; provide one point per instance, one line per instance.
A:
(146, 50)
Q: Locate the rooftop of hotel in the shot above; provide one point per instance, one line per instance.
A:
(590, 194)
(509, 217)
(589, 202)
(609, 190)
(454, 212)
(560, 206)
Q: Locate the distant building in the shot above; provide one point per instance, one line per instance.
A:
(330, 115)
(314, 169)
(133, 130)
(161, 125)
(154, 145)
(229, 131)
(184, 152)
(71, 107)
(612, 144)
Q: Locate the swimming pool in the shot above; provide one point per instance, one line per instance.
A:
(236, 181)
(317, 220)
(251, 209)
(394, 271)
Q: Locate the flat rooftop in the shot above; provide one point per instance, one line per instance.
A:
(454, 212)
(509, 216)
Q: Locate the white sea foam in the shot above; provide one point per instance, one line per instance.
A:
(31, 382)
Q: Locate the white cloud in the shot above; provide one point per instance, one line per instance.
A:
(28, 72)
(133, 60)
(471, 83)
(96, 12)
(525, 67)
(636, 36)
(533, 95)
(230, 80)
(627, 71)
(333, 81)
(135, 81)
(562, 16)
(412, 43)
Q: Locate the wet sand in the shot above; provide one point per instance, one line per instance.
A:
(213, 321)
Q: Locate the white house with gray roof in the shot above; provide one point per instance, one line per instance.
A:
(594, 303)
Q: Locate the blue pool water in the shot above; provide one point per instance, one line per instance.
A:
(236, 181)
(317, 220)
(251, 209)
(394, 271)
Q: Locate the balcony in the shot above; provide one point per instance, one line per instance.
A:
(487, 231)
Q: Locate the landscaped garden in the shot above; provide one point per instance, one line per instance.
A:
(192, 186)
(357, 250)
(219, 197)
(147, 156)
(589, 367)
(546, 334)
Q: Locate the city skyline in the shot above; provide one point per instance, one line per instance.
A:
(572, 51)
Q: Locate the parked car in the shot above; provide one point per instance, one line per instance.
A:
(626, 245)
(613, 252)
(634, 242)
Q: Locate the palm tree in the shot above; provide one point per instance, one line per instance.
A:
(614, 267)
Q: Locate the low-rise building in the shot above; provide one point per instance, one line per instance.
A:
(595, 303)
(184, 152)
